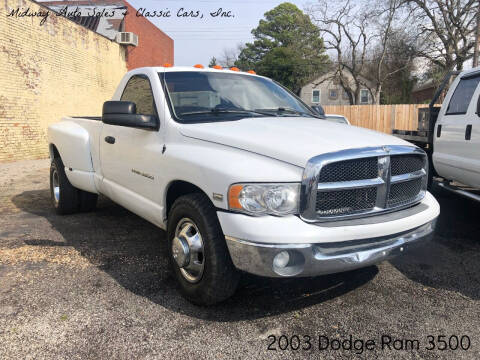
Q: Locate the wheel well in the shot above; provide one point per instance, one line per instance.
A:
(54, 152)
(179, 188)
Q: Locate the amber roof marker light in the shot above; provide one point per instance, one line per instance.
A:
(234, 69)
(251, 72)
(218, 67)
(198, 66)
(167, 65)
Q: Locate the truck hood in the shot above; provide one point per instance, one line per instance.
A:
(291, 139)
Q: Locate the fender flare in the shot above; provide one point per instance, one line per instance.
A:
(73, 145)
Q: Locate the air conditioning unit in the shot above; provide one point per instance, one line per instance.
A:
(126, 38)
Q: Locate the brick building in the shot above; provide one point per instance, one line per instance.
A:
(61, 67)
(154, 46)
(423, 93)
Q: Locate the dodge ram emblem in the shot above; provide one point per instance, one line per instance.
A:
(386, 149)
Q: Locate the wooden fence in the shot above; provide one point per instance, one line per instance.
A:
(379, 117)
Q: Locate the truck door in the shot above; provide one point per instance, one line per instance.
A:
(457, 134)
(130, 157)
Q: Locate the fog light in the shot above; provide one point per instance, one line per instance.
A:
(281, 259)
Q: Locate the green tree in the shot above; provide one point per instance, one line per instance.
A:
(213, 61)
(287, 48)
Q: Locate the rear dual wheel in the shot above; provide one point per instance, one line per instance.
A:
(66, 198)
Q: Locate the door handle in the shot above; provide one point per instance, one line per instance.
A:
(110, 139)
(439, 130)
(468, 132)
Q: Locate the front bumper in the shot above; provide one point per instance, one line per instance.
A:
(322, 258)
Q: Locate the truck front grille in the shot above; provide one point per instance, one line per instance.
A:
(345, 202)
(404, 164)
(404, 192)
(355, 183)
(348, 170)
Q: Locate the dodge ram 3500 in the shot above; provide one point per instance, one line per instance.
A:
(242, 175)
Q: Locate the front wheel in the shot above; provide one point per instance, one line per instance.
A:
(198, 252)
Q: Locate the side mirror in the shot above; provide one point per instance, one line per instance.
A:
(319, 110)
(124, 113)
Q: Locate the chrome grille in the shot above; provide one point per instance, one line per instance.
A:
(404, 192)
(360, 182)
(349, 170)
(345, 201)
(404, 164)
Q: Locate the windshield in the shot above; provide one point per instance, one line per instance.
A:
(208, 96)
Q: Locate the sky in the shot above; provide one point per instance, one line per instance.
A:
(198, 39)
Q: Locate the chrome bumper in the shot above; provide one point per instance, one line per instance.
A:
(322, 258)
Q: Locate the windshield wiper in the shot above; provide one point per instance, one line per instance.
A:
(225, 111)
(281, 110)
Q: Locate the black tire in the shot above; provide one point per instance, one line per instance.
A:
(220, 278)
(431, 172)
(87, 201)
(430, 178)
(66, 201)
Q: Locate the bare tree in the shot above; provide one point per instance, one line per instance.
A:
(345, 34)
(389, 34)
(398, 74)
(359, 38)
(446, 30)
(230, 55)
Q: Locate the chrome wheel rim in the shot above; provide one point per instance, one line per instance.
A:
(56, 186)
(188, 251)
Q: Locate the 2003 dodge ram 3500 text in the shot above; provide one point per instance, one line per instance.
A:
(243, 176)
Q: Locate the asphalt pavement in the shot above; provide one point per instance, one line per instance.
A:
(98, 286)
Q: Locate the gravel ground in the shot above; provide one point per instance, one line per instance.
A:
(98, 286)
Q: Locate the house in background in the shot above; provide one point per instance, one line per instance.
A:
(422, 93)
(154, 48)
(326, 90)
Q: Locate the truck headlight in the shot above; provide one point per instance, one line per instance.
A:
(261, 199)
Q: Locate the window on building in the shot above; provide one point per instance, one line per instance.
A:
(364, 96)
(462, 96)
(139, 91)
(332, 94)
(315, 96)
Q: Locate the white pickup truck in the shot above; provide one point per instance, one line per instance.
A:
(243, 176)
(456, 138)
(450, 134)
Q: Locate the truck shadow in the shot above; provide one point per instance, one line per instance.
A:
(132, 252)
(451, 261)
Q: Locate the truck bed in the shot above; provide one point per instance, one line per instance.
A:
(412, 135)
(97, 118)
(77, 139)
